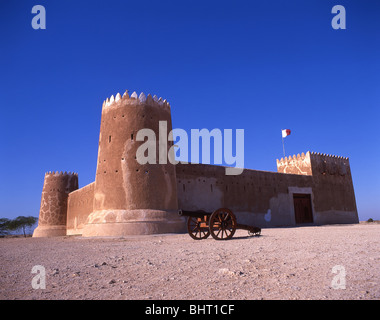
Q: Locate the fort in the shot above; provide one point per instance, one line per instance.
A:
(129, 198)
(147, 151)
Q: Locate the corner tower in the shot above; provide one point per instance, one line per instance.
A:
(333, 195)
(131, 198)
(53, 210)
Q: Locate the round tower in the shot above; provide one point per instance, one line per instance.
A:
(53, 210)
(132, 198)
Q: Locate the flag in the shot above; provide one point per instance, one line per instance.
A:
(285, 133)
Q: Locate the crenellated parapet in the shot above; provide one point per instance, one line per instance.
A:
(135, 99)
(328, 155)
(313, 163)
(327, 164)
(296, 164)
(61, 173)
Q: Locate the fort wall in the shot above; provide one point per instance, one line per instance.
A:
(80, 206)
(261, 198)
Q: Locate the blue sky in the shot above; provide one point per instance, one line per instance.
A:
(261, 66)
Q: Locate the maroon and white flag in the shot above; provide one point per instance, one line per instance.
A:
(285, 133)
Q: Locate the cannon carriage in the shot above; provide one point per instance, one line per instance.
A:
(221, 224)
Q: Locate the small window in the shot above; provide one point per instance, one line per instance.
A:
(109, 139)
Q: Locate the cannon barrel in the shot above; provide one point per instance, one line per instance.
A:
(194, 214)
(252, 230)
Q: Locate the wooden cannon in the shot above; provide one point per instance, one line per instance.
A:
(221, 224)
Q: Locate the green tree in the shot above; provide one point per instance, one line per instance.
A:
(4, 226)
(21, 222)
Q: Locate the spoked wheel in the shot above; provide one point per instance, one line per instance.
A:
(222, 224)
(198, 228)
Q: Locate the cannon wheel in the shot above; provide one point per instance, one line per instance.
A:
(222, 224)
(198, 228)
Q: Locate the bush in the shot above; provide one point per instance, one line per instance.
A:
(21, 222)
(370, 220)
(4, 226)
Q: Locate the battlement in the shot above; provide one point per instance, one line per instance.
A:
(292, 158)
(328, 155)
(58, 181)
(329, 164)
(312, 163)
(135, 99)
(61, 173)
(296, 164)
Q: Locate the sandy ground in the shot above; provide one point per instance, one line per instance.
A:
(283, 263)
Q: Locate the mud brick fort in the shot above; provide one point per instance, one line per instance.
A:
(128, 198)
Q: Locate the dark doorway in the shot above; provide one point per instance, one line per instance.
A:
(302, 208)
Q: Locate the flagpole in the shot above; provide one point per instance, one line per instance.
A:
(284, 133)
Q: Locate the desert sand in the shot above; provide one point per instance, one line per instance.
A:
(283, 263)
